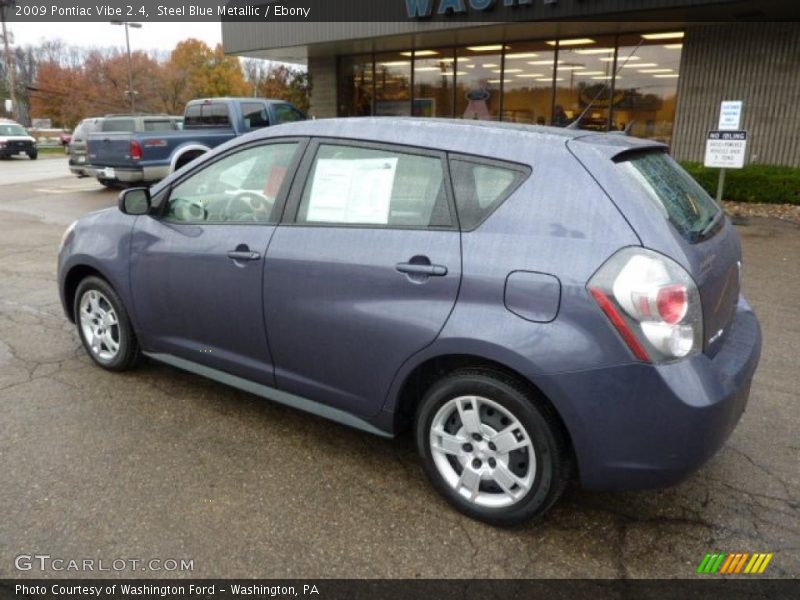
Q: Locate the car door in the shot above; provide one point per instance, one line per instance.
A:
(363, 271)
(196, 270)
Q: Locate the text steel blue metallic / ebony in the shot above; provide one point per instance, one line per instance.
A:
(534, 303)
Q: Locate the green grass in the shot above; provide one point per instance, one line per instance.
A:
(754, 183)
(52, 150)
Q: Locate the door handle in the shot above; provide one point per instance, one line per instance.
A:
(241, 255)
(422, 269)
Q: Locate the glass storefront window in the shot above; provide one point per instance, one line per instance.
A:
(393, 84)
(550, 82)
(433, 83)
(647, 87)
(528, 89)
(355, 86)
(584, 77)
(479, 82)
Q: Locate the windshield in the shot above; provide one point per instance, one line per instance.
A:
(12, 130)
(673, 191)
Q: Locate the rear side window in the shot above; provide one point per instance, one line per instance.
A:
(365, 186)
(287, 114)
(255, 115)
(212, 114)
(127, 125)
(673, 191)
(481, 187)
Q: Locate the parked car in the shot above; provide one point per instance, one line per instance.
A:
(78, 165)
(64, 138)
(535, 303)
(111, 143)
(15, 140)
(148, 154)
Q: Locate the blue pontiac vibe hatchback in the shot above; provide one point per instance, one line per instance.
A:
(535, 304)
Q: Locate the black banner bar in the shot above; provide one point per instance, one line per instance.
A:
(703, 588)
(467, 11)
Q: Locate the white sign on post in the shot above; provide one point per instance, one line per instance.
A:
(726, 149)
(730, 115)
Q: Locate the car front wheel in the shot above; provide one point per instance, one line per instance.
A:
(104, 326)
(33, 155)
(492, 447)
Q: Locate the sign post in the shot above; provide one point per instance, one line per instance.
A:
(726, 147)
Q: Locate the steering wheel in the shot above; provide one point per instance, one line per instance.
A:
(258, 206)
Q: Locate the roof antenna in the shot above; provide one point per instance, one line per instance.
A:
(629, 127)
(576, 123)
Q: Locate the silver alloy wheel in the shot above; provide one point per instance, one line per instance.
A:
(482, 451)
(100, 325)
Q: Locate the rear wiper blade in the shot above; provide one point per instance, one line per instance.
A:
(712, 223)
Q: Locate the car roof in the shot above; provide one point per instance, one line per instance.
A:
(137, 116)
(489, 138)
(239, 99)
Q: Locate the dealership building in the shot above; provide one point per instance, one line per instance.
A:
(656, 68)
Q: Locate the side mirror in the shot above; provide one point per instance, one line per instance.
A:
(135, 201)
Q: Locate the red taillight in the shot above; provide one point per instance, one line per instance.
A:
(652, 302)
(135, 150)
(672, 302)
(619, 324)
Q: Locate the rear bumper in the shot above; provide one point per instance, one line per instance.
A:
(128, 175)
(79, 169)
(639, 426)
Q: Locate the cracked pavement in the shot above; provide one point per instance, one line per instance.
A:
(158, 463)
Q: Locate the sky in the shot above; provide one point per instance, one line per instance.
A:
(152, 36)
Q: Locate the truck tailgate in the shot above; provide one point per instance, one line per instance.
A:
(110, 150)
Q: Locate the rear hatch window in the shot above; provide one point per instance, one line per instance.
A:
(125, 125)
(673, 191)
(206, 114)
(158, 125)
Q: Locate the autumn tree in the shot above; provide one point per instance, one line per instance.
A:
(271, 80)
(196, 71)
(67, 84)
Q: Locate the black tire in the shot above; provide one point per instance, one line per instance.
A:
(187, 158)
(550, 448)
(33, 155)
(128, 353)
(109, 183)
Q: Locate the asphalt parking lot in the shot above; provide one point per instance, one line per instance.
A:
(157, 463)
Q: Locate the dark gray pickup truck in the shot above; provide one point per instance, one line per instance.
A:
(118, 158)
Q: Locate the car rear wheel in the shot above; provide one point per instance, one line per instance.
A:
(104, 326)
(491, 446)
